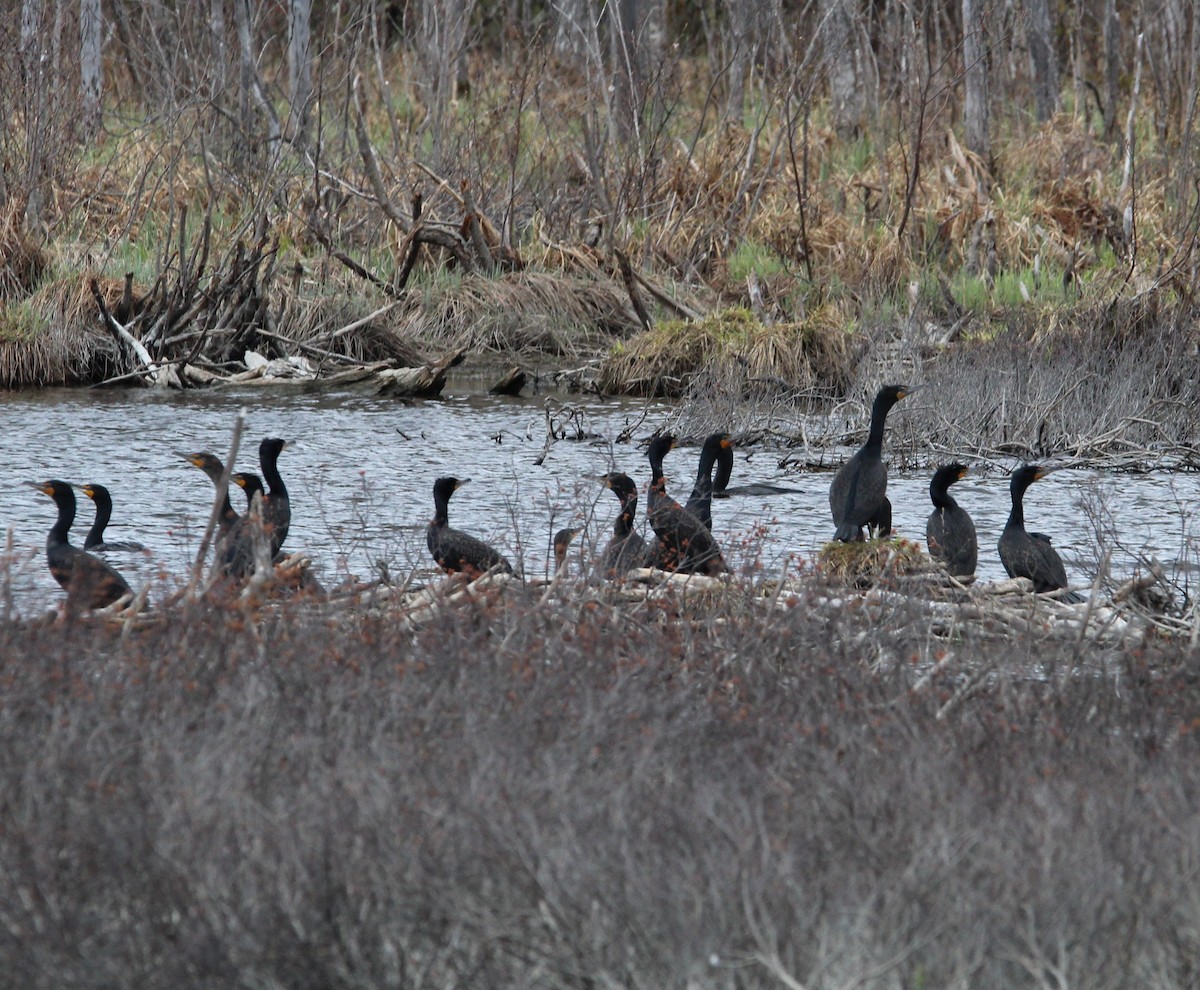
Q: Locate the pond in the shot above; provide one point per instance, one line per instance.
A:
(361, 470)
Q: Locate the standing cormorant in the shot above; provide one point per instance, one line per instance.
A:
(94, 541)
(858, 495)
(277, 506)
(684, 543)
(949, 532)
(1030, 555)
(700, 501)
(626, 550)
(88, 581)
(454, 551)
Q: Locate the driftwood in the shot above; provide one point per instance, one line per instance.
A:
(161, 375)
(631, 286)
(425, 382)
(511, 384)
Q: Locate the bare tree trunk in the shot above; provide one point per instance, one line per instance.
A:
(251, 85)
(91, 79)
(300, 68)
(34, 100)
(1112, 65)
(1043, 64)
(975, 97)
(442, 46)
(219, 66)
(838, 18)
(625, 66)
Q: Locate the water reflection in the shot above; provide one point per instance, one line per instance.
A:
(362, 469)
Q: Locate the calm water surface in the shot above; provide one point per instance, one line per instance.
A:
(361, 471)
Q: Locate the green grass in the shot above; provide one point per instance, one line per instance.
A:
(21, 322)
(751, 257)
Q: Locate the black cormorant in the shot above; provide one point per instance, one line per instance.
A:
(722, 488)
(699, 503)
(949, 532)
(684, 543)
(88, 581)
(1030, 555)
(211, 465)
(454, 551)
(858, 494)
(626, 550)
(95, 541)
(250, 483)
(277, 506)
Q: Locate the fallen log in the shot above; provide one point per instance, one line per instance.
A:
(425, 382)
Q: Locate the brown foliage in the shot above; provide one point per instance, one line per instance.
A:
(577, 794)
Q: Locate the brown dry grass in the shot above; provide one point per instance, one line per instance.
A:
(557, 314)
(54, 337)
(664, 360)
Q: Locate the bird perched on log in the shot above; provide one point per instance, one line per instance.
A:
(454, 551)
(858, 494)
(1030, 555)
(949, 531)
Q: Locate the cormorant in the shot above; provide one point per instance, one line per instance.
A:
(250, 483)
(684, 543)
(858, 494)
(88, 581)
(626, 550)
(949, 532)
(454, 551)
(277, 506)
(700, 501)
(721, 488)
(211, 465)
(95, 541)
(1030, 555)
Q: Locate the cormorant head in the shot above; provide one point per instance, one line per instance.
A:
(1026, 475)
(889, 395)
(659, 446)
(443, 488)
(95, 492)
(57, 490)
(618, 482)
(948, 474)
(248, 482)
(271, 447)
(210, 464)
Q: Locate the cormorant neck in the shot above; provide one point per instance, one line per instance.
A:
(1016, 518)
(658, 484)
(724, 470)
(624, 524)
(441, 509)
(879, 410)
(270, 470)
(942, 499)
(103, 514)
(66, 516)
(228, 513)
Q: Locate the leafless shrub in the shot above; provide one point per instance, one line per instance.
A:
(576, 794)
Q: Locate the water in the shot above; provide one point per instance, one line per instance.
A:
(361, 471)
